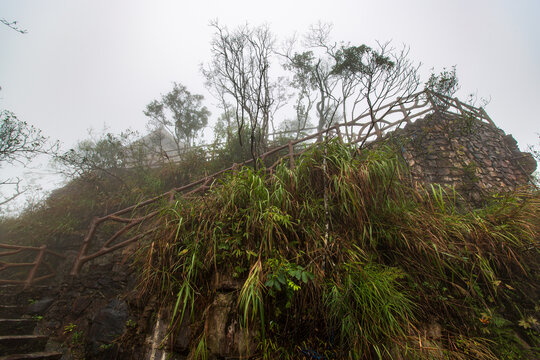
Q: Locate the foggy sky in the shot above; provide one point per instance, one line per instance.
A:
(84, 64)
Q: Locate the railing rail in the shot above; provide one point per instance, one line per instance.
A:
(362, 129)
(365, 128)
(34, 266)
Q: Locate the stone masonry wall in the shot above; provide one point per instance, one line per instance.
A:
(473, 156)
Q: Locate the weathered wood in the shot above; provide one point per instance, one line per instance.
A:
(6, 253)
(22, 247)
(133, 222)
(104, 250)
(486, 116)
(37, 263)
(423, 102)
(7, 265)
(291, 155)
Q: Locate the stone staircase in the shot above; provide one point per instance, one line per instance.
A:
(18, 340)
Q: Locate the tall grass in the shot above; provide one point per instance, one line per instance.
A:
(344, 250)
(368, 307)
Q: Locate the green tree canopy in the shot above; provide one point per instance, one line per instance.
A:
(181, 113)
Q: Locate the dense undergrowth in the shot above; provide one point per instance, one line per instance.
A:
(343, 257)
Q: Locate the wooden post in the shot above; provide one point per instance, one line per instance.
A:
(84, 247)
(405, 113)
(458, 106)
(377, 130)
(434, 106)
(487, 116)
(340, 137)
(291, 155)
(33, 271)
(171, 196)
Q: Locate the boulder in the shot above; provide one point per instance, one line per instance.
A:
(107, 325)
(224, 336)
(39, 307)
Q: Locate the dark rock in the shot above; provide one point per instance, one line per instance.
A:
(182, 339)
(510, 142)
(40, 306)
(105, 281)
(444, 171)
(527, 162)
(11, 311)
(53, 325)
(80, 304)
(216, 323)
(224, 282)
(90, 283)
(17, 326)
(106, 326)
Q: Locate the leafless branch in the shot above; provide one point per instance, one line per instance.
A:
(13, 25)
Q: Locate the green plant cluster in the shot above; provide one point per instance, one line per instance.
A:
(345, 255)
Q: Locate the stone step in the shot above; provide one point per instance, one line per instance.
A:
(11, 311)
(10, 288)
(17, 326)
(33, 356)
(17, 295)
(8, 294)
(22, 344)
(20, 293)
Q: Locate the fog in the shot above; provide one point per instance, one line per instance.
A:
(96, 64)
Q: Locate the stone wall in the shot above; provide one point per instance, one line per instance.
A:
(473, 156)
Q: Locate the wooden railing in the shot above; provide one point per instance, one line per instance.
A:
(34, 266)
(362, 130)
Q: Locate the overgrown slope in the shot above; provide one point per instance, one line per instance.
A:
(344, 257)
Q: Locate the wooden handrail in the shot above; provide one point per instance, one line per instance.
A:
(32, 273)
(409, 108)
(34, 266)
(366, 127)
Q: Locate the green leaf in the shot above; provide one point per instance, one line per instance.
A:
(183, 252)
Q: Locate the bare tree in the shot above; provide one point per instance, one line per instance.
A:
(374, 76)
(354, 79)
(19, 143)
(239, 73)
(13, 25)
(312, 76)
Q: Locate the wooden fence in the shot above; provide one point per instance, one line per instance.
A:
(34, 267)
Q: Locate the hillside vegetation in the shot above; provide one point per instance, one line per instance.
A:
(343, 256)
